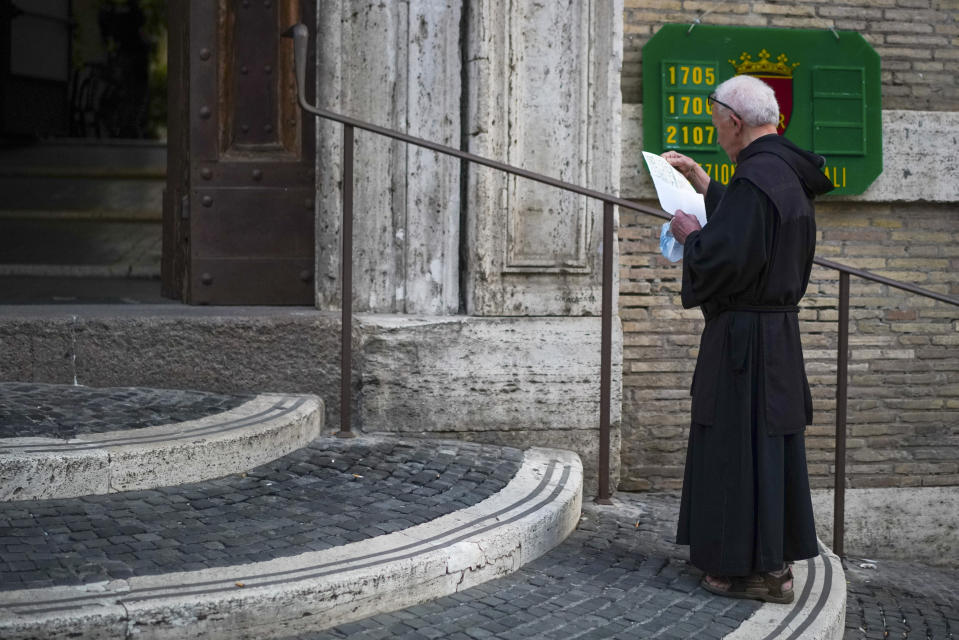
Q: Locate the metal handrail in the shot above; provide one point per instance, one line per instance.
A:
(875, 277)
(300, 35)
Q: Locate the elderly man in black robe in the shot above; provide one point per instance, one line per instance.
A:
(746, 511)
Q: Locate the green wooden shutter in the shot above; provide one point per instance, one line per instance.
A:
(839, 111)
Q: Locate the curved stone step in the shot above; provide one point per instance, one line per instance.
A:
(315, 590)
(817, 613)
(262, 429)
(619, 576)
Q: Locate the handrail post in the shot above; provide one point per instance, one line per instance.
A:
(346, 319)
(839, 491)
(606, 357)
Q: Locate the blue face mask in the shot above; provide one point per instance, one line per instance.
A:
(671, 250)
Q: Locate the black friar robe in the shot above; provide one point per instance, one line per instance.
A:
(745, 505)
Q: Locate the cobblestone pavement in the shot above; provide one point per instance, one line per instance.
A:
(64, 411)
(888, 599)
(325, 495)
(616, 576)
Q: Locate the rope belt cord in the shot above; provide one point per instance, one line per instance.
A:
(761, 308)
(752, 308)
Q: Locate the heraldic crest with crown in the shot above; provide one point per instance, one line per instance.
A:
(777, 74)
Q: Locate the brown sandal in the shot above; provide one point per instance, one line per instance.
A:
(765, 587)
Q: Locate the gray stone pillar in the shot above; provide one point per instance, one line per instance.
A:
(395, 64)
(543, 94)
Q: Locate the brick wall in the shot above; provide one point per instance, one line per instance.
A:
(916, 39)
(903, 412)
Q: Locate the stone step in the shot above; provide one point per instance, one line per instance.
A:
(69, 290)
(332, 533)
(97, 456)
(619, 576)
(80, 197)
(71, 248)
(81, 209)
(83, 179)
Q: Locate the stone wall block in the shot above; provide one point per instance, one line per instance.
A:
(43, 354)
(544, 95)
(528, 382)
(895, 522)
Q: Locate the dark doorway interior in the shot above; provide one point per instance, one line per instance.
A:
(82, 150)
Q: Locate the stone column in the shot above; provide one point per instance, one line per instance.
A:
(397, 65)
(534, 84)
(543, 87)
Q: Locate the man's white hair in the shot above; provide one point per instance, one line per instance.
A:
(751, 98)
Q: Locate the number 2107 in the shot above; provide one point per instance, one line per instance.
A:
(699, 134)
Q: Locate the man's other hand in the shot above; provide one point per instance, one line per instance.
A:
(682, 225)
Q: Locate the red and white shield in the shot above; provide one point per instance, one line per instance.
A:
(784, 96)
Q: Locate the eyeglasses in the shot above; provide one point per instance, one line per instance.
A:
(711, 99)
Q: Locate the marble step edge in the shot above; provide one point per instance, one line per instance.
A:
(258, 431)
(817, 613)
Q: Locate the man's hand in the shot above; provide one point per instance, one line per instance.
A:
(690, 170)
(682, 225)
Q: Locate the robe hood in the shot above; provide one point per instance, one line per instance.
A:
(807, 165)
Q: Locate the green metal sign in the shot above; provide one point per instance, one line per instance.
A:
(827, 84)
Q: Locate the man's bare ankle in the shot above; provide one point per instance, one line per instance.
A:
(720, 582)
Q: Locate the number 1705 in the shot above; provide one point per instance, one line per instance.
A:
(687, 74)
